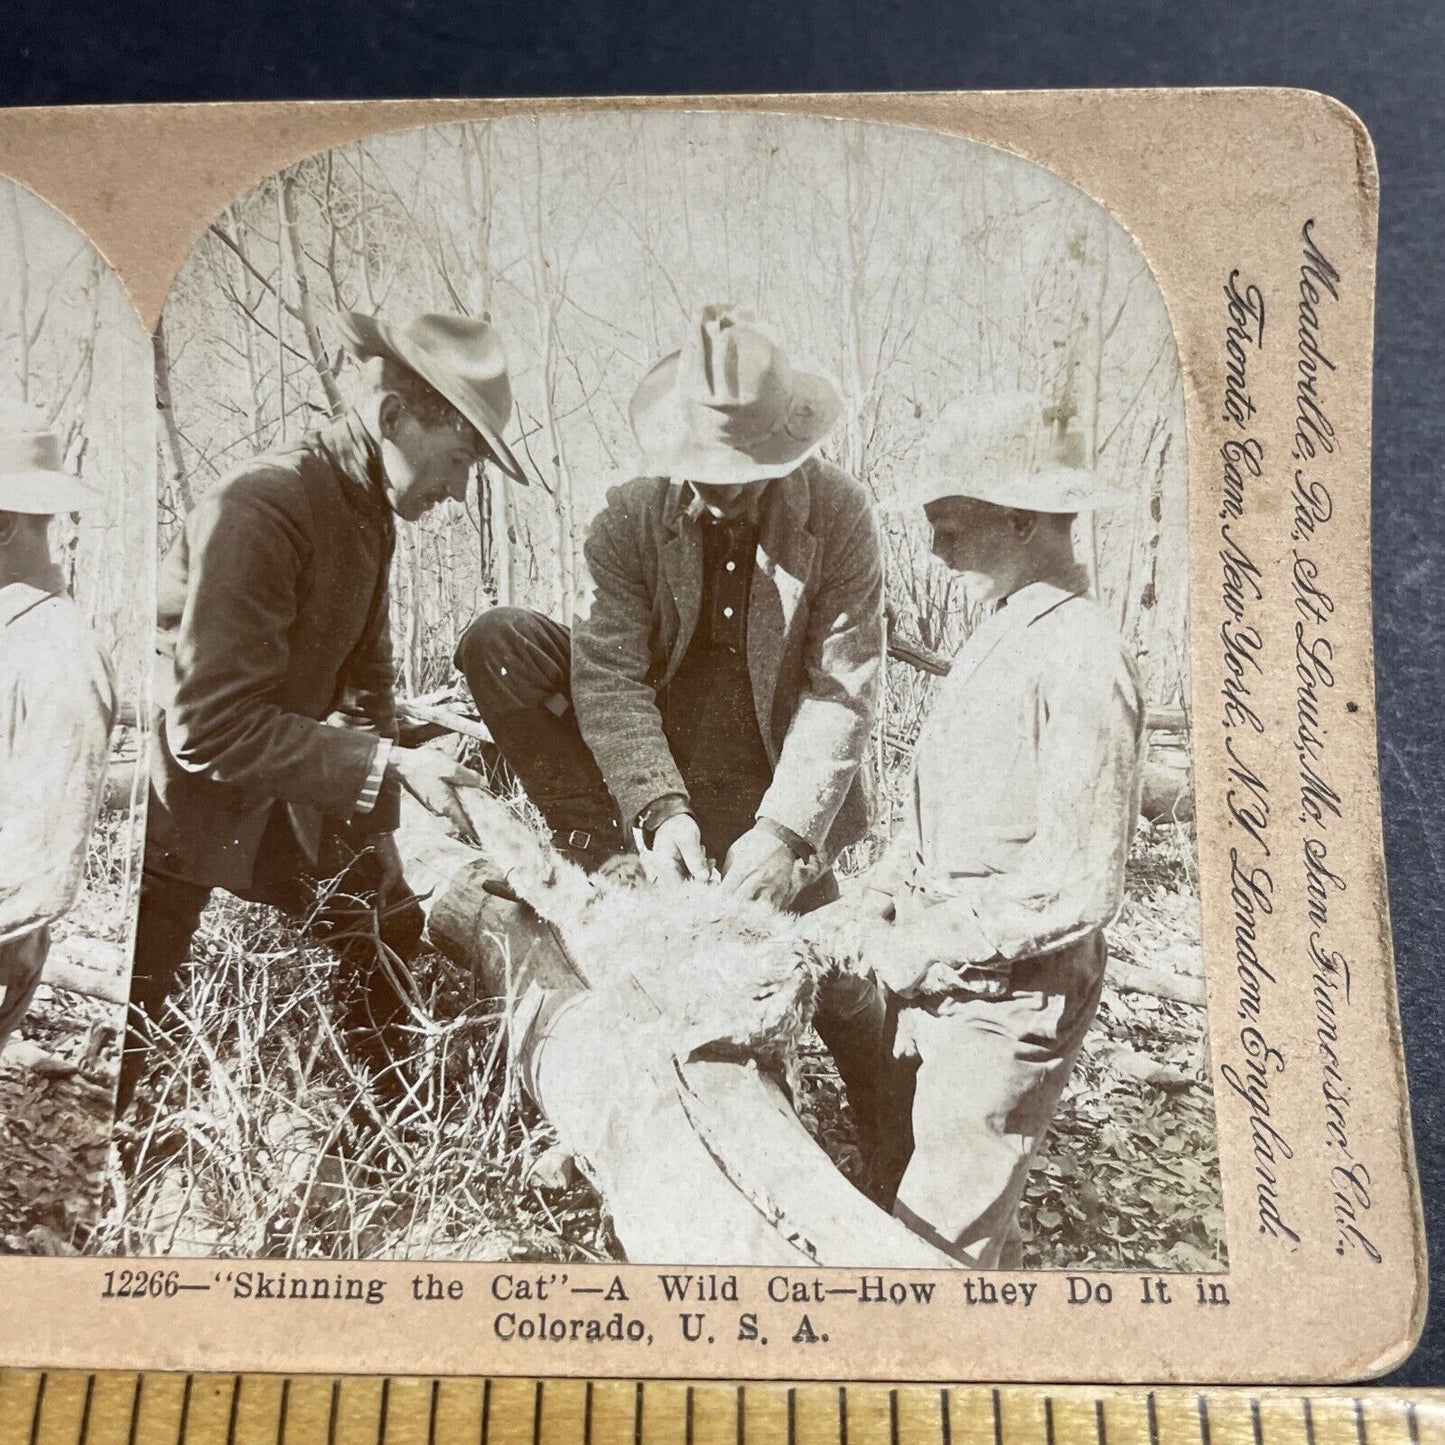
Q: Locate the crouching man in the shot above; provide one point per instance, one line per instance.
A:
(983, 924)
(717, 700)
(722, 688)
(57, 703)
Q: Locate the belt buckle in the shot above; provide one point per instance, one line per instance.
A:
(580, 840)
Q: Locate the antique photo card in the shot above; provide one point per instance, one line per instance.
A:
(77, 517)
(761, 749)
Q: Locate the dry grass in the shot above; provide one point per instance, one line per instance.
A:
(258, 1134)
(55, 1123)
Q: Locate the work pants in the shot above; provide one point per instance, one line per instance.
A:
(985, 1077)
(336, 897)
(22, 960)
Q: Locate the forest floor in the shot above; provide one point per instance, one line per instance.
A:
(57, 1080)
(261, 1137)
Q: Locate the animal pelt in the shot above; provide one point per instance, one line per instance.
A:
(720, 975)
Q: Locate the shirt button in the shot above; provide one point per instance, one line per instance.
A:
(732, 566)
(727, 612)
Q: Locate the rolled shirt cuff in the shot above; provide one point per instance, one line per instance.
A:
(371, 788)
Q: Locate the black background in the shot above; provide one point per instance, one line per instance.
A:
(1384, 60)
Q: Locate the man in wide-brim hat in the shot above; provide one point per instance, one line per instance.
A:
(275, 760)
(57, 703)
(717, 700)
(984, 923)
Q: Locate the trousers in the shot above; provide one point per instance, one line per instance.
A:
(335, 896)
(22, 961)
(975, 1086)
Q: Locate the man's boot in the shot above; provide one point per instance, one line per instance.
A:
(850, 1021)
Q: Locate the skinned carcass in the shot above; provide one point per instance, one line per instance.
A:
(657, 1026)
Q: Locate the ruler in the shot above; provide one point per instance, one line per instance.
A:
(119, 1408)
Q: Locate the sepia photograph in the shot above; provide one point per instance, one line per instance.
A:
(77, 519)
(671, 731)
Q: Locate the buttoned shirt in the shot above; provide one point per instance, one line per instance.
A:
(1025, 787)
(57, 702)
(729, 552)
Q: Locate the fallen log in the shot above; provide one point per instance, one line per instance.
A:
(92, 967)
(673, 1110)
(1135, 978)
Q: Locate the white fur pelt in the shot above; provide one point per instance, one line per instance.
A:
(724, 975)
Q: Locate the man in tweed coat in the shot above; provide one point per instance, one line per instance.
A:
(716, 702)
(718, 697)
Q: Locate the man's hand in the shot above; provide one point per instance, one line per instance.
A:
(432, 779)
(759, 865)
(677, 849)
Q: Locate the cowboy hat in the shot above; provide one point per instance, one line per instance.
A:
(727, 408)
(458, 356)
(32, 474)
(1005, 449)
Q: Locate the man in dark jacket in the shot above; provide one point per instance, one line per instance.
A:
(273, 762)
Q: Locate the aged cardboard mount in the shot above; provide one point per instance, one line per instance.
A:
(1187, 277)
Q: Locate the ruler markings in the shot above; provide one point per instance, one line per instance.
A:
(131, 1432)
(39, 1407)
(184, 1422)
(103, 1407)
(234, 1410)
(84, 1433)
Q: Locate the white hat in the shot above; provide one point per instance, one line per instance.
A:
(33, 478)
(727, 408)
(1003, 449)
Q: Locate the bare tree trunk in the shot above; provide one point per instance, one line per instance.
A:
(550, 294)
(22, 297)
(302, 309)
(1089, 521)
(176, 473)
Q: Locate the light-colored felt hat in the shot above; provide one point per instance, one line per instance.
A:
(33, 478)
(1005, 448)
(458, 356)
(727, 408)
